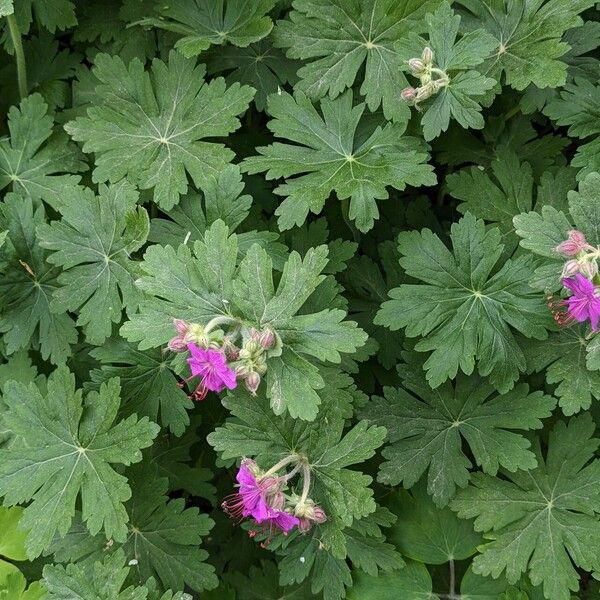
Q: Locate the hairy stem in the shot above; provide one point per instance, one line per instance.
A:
(306, 483)
(15, 35)
(282, 463)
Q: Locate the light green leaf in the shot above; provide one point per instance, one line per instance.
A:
(148, 126)
(93, 243)
(13, 588)
(68, 449)
(553, 507)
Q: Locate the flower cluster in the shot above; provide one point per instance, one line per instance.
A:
(261, 496)
(432, 80)
(580, 277)
(215, 357)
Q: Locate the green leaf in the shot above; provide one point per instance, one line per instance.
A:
(200, 285)
(475, 587)
(257, 432)
(6, 8)
(428, 534)
(340, 37)
(497, 196)
(101, 581)
(164, 536)
(12, 543)
(203, 23)
(149, 387)
(13, 588)
(563, 357)
(260, 65)
(67, 450)
(93, 243)
(412, 582)
(577, 107)
(58, 14)
(149, 126)
(461, 98)
(34, 160)
(529, 38)
(542, 231)
(552, 507)
(27, 286)
(466, 308)
(426, 429)
(335, 151)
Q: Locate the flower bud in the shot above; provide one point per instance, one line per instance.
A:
(575, 243)
(181, 326)
(177, 344)
(416, 65)
(588, 268)
(440, 83)
(570, 268)
(408, 94)
(427, 55)
(252, 381)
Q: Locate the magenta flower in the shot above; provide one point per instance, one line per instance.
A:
(254, 495)
(584, 304)
(282, 520)
(212, 366)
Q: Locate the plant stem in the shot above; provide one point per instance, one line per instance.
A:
(512, 112)
(306, 483)
(15, 35)
(452, 580)
(282, 463)
(345, 214)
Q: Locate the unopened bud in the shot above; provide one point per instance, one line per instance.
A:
(252, 381)
(181, 326)
(570, 268)
(177, 344)
(427, 55)
(416, 65)
(408, 94)
(589, 269)
(440, 83)
(575, 243)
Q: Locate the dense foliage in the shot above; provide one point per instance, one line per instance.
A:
(299, 299)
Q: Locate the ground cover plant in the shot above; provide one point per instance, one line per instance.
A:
(299, 299)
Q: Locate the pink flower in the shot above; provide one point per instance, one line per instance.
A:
(584, 304)
(408, 93)
(212, 366)
(574, 244)
(254, 495)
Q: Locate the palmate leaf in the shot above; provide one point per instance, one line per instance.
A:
(256, 432)
(542, 230)
(66, 450)
(465, 308)
(149, 387)
(103, 580)
(528, 34)
(203, 23)
(426, 429)
(34, 160)
(498, 195)
(260, 65)
(577, 107)
(93, 242)
(563, 357)
(335, 151)
(340, 37)
(208, 282)
(457, 58)
(27, 285)
(543, 522)
(149, 126)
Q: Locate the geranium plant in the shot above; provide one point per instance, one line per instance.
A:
(299, 299)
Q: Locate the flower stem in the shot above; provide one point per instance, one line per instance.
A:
(15, 35)
(282, 463)
(220, 320)
(305, 484)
